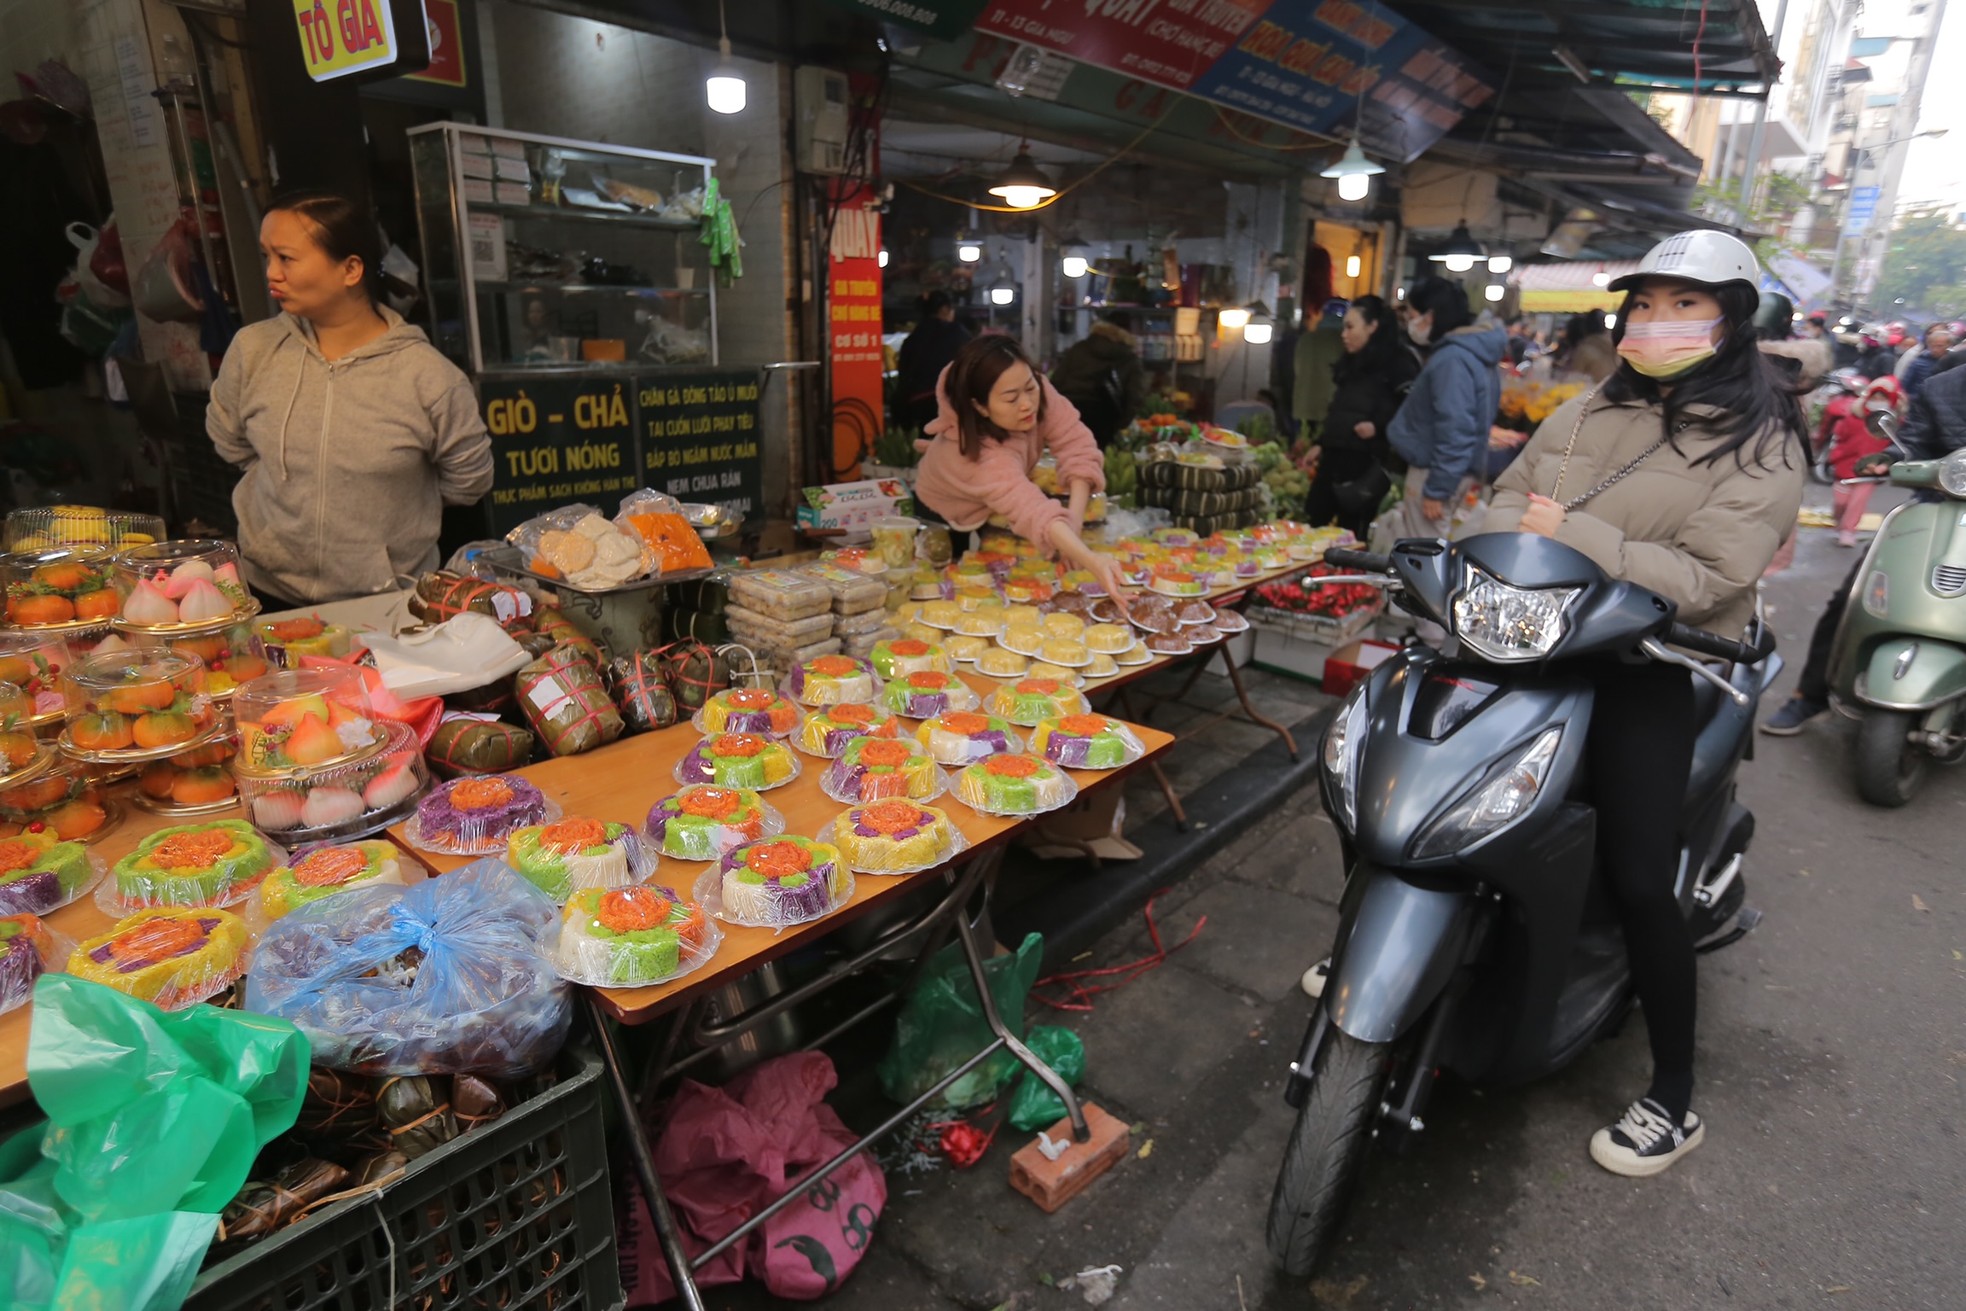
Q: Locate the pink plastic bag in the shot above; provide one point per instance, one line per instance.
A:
(727, 1153)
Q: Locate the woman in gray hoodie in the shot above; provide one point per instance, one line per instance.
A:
(353, 431)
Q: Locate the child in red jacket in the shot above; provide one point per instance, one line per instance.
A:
(1850, 442)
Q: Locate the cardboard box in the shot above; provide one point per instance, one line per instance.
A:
(514, 193)
(1351, 663)
(512, 170)
(475, 166)
(477, 192)
(852, 507)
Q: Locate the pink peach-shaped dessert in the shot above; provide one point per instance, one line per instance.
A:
(178, 585)
(314, 743)
(394, 784)
(202, 602)
(330, 805)
(147, 604)
(277, 810)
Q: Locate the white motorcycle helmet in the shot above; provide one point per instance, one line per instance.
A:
(1703, 257)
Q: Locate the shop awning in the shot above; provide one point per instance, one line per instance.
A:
(1570, 287)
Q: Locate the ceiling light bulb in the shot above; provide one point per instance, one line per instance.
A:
(1494, 291)
(1073, 266)
(1459, 263)
(1600, 279)
(1352, 266)
(724, 88)
(881, 259)
(1023, 197)
(1023, 185)
(1257, 331)
(1500, 263)
(1233, 317)
(1353, 186)
(968, 252)
(1002, 295)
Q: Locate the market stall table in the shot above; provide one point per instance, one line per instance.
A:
(619, 783)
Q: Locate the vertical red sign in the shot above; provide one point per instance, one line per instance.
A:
(853, 301)
(446, 45)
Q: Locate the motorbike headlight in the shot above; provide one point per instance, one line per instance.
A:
(1503, 796)
(1344, 743)
(1877, 594)
(1952, 474)
(1507, 623)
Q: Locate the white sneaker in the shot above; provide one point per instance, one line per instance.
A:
(1646, 1141)
(1313, 981)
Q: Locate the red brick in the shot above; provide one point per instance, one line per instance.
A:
(1051, 1184)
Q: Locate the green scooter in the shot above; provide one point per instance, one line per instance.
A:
(1899, 661)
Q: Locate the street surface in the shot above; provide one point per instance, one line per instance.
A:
(1831, 1057)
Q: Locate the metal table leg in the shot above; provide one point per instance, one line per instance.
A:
(643, 1153)
(1174, 806)
(1242, 695)
(1010, 1040)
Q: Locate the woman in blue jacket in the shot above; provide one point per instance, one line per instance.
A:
(1442, 429)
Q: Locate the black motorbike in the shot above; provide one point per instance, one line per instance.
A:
(1476, 935)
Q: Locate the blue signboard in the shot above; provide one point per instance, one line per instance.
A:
(1863, 207)
(1307, 63)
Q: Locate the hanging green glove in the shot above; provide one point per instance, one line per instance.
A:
(720, 236)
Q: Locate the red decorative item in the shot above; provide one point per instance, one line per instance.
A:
(964, 1144)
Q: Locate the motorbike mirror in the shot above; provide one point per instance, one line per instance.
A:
(1882, 423)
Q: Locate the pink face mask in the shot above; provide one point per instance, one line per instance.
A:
(1669, 348)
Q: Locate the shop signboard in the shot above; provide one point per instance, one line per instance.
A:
(853, 329)
(1863, 208)
(944, 20)
(556, 441)
(1307, 63)
(362, 38)
(1172, 42)
(700, 438)
(447, 66)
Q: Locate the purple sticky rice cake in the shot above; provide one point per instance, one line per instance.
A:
(482, 808)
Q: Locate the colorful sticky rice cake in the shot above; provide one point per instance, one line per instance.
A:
(704, 822)
(904, 655)
(881, 769)
(628, 937)
(892, 835)
(927, 693)
(750, 710)
(738, 760)
(1036, 699)
(325, 871)
(193, 865)
(830, 679)
(288, 640)
(475, 815)
(784, 880)
(1014, 785)
(962, 737)
(572, 854)
(826, 732)
(1177, 582)
(25, 955)
(39, 872)
(1084, 742)
(172, 957)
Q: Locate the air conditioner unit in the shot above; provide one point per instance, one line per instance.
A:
(820, 102)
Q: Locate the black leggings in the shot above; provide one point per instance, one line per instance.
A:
(1640, 754)
(1813, 684)
(1321, 503)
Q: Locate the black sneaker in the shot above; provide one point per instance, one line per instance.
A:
(1646, 1141)
(1795, 712)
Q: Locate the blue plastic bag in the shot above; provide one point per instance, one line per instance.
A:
(444, 977)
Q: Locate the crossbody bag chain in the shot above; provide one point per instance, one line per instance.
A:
(1583, 412)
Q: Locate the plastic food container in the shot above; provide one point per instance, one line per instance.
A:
(132, 707)
(873, 769)
(350, 798)
(894, 539)
(37, 528)
(629, 938)
(286, 642)
(303, 718)
(783, 632)
(776, 883)
(474, 816)
(706, 822)
(65, 800)
(61, 588)
(853, 592)
(232, 655)
(781, 594)
(196, 782)
(187, 586)
(1015, 785)
(33, 662)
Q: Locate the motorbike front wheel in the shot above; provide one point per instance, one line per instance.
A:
(1327, 1148)
(1890, 766)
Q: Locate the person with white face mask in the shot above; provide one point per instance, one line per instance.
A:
(1682, 472)
(1441, 430)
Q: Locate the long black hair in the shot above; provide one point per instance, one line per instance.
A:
(1759, 417)
(1382, 353)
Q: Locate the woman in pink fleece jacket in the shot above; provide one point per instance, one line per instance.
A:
(996, 414)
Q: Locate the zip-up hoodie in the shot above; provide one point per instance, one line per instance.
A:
(348, 464)
(1443, 426)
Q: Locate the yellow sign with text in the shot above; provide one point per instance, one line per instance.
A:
(339, 37)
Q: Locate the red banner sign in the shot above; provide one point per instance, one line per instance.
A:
(853, 303)
(1172, 42)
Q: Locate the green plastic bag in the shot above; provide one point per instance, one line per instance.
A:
(1033, 1106)
(154, 1120)
(941, 1026)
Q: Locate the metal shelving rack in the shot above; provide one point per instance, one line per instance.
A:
(459, 299)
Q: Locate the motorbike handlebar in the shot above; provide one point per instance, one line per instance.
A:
(1364, 562)
(1721, 648)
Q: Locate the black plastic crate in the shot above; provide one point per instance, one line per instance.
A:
(518, 1214)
